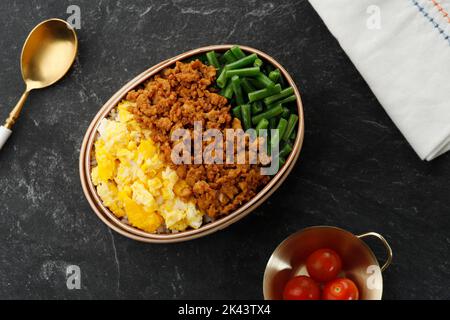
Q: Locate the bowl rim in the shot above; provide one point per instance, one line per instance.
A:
(295, 234)
(127, 230)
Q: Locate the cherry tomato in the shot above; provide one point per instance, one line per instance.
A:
(340, 289)
(324, 265)
(301, 288)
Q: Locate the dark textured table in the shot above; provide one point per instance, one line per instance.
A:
(356, 170)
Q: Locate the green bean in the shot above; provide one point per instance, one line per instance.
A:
(246, 61)
(286, 100)
(244, 72)
(286, 113)
(258, 63)
(236, 83)
(283, 94)
(240, 74)
(282, 126)
(263, 81)
(237, 112)
(257, 107)
(237, 52)
(246, 116)
(292, 122)
(263, 93)
(285, 151)
(247, 86)
(289, 99)
(275, 75)
(222, 79)
(262, 125)
(269, 114)
(227, 92)
(212, 59)
(229, 57)
(271, 106)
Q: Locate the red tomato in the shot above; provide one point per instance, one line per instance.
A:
(340, 289)
(324, 265)
(301, 288)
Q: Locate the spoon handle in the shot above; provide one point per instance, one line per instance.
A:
(4, 135)
(5, 131)
(14, 115)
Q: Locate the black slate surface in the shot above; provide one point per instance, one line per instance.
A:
(356, 170)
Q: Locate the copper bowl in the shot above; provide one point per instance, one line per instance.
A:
(359, 262)
(116, 224)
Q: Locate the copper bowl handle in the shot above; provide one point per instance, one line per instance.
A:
(384, 242)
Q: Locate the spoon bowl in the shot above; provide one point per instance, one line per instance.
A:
(48, 53)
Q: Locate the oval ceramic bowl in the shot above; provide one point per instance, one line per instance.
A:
(116, 224)
(359, 262)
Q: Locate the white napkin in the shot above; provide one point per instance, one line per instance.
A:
(405, 58)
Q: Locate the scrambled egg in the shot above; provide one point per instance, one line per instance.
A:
(132, 180)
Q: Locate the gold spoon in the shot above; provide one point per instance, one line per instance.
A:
(47, 55)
